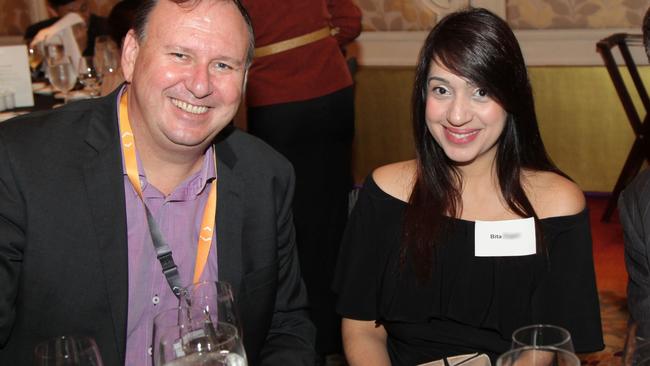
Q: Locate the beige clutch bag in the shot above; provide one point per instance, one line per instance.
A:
(471, 359)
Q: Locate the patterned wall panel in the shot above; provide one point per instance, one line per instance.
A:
(405, 15)
(568, 14)
(412, 15)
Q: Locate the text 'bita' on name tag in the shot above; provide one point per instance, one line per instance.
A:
(506, 238)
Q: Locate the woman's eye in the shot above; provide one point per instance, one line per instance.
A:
(481, 93)
(439, 90)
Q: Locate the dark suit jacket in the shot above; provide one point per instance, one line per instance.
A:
(63, 241)
(98, 27)
(634, 211)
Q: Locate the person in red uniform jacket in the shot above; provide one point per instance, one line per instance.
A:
(300, 101)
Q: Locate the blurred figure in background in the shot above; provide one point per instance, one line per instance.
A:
(120, 20)
(634, 205)
(300, 101)
(95, 25)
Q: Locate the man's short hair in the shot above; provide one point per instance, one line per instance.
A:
(646, 32)
(145, 8)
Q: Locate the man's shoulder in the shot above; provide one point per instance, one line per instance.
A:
(637, 193)
(44, 127)
(250, 155)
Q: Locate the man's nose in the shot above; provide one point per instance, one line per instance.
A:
(198, 82)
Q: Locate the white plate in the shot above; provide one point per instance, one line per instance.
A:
(46, 90)
(74, 95)
(38, 85)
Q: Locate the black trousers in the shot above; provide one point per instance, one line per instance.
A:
(316, 136)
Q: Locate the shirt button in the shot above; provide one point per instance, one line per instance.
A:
(155, 300)
(150, 351)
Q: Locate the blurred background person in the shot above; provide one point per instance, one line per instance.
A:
(634, 212)
(95, 25)
(120, 20)
(300, 100)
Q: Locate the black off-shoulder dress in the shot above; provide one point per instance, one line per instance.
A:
(470, 303)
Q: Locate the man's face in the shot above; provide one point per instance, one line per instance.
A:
(78, 6)
(186, 74)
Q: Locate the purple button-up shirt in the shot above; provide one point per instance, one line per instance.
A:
(178, 217)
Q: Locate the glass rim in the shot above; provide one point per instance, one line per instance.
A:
(565, 333)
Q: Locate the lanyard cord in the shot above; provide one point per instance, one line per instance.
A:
(163, 251)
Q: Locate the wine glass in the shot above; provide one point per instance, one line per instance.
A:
(67, 351)
(35, 56)
(538, 356)
(54, 50)
(210, 301)
(88, 75)
(106, 56)
(179, 340)
(637, 344)
(63, 76)
(542, 335)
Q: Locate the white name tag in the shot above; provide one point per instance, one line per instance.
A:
(506, 238)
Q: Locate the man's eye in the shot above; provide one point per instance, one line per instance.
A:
(223, 66)
(179, 55)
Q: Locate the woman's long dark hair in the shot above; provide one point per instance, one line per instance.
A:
(479, 46)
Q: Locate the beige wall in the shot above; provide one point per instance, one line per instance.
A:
(580, 117)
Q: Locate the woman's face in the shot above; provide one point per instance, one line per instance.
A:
(463, 119)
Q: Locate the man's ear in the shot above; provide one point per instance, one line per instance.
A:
(130, 50)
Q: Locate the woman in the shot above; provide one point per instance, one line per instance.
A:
(418, 277)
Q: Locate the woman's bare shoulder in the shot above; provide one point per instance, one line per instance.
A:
(396, 179)
(552, 194)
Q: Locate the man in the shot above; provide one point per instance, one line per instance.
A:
(95, 25)
(634, 211)
(76, 253)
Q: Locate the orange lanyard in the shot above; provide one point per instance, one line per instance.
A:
(210, 211)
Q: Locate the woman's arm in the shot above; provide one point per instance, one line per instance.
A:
(364, 343)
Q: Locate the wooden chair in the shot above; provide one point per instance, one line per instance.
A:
(640, 150)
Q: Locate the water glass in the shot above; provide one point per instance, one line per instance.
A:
(62, 75)
(67, 351)
(637, 344)
(212, 301)
(542, 335)
(106, 56)
(538, 356)
(179, 340)
(88, 75)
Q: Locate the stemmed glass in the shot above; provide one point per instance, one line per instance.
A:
(62, 75)
(67, 351)
(35, 56)
(88, 75)
(542, 335)
(538, 356)
(637, 344)
(106, 56)
(204, 330)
